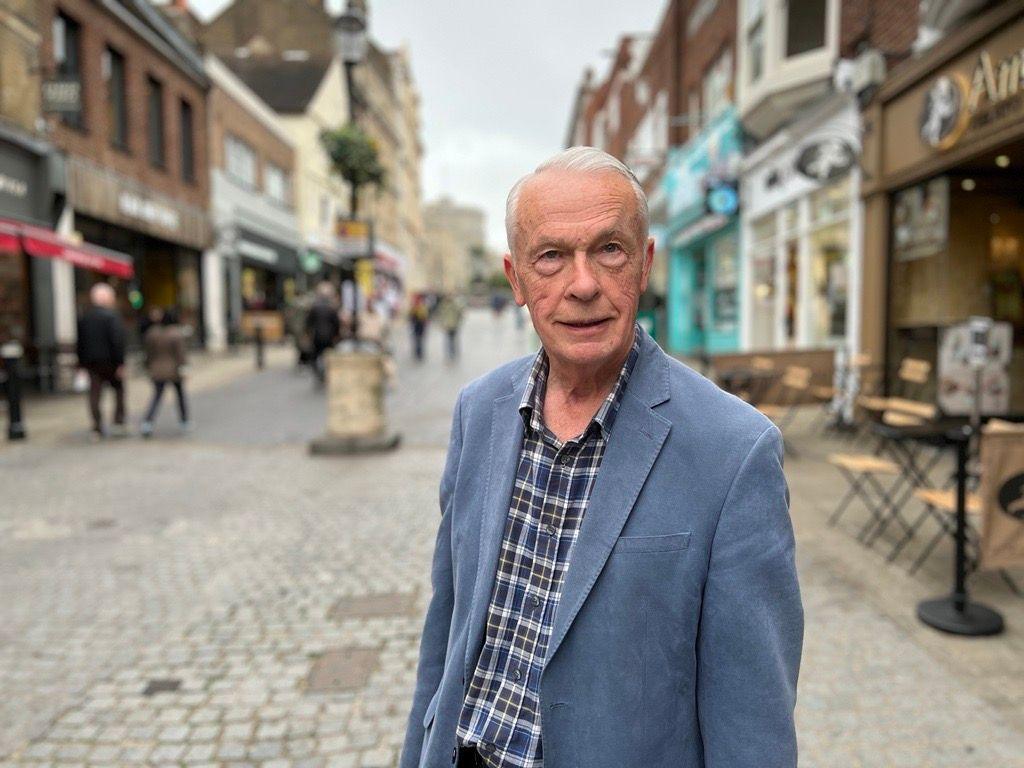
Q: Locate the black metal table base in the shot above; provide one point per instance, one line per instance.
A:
(973, 620)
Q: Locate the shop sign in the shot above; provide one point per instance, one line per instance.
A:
(256, 251)
(722, 199)
(958, 101)
(62, 96)
(957, 375)
(826, 160)
(310, 261)
(149, 211)
(921, 220)
(708, 162)
(13, 187)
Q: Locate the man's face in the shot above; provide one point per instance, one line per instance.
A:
(580, 264)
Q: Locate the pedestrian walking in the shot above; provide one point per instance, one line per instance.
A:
(449, 316)
(323, 327)
(164, 344)
(418, 317)
(613, 580)
(100, 348)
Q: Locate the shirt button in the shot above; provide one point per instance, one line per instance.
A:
(535, 601)
(517, 674)
(549, 529)
(566, 459)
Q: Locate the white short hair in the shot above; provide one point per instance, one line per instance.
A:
(581, 160)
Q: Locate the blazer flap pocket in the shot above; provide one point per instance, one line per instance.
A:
(671, 542)
(428, 716)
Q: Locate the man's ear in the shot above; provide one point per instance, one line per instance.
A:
(513, 280)
(648, 263)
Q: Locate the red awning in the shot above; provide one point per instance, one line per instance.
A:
(10, 242)
(47, 244)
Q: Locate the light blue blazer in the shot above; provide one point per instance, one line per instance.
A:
(677, 639)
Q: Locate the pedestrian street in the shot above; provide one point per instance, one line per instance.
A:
(223, 598)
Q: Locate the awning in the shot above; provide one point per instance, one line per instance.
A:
(46, 244)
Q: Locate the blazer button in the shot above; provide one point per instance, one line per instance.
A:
(455, 755)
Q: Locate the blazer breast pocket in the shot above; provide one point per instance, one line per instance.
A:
(672, 542)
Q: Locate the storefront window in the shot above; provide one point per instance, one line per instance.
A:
(831, 202)
(829, 249)
(725, 252)
(762, 301)
(805, 26)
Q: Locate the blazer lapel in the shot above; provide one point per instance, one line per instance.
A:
(505, 445)
(633, 446)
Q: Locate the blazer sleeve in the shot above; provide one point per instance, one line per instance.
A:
(751, 625)
(434, 641)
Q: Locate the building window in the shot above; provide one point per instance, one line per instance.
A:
(155, 100)
(67, 56)
(275, 182)
(805, 26)
(188, 147)
(717, 86)
(325, 212)
(240, 161)
(117, 105)
(762, 300)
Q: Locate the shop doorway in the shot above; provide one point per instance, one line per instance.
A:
(957, 250)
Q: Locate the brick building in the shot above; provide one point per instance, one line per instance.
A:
(136, 156)
(250, 272)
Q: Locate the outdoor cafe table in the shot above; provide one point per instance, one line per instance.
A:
(955, 614)
(755, 381)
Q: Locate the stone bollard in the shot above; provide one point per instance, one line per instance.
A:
(356, 421)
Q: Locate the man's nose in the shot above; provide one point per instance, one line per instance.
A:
(583, 284)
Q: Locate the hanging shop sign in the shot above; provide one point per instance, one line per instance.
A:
(826, 160)
(723, 199)
(990, 92)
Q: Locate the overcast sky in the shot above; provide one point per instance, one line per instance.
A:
(497, 79)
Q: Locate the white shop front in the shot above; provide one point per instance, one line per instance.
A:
(801, 234)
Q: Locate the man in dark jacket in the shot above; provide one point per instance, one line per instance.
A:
(101, 342)
(323, 326)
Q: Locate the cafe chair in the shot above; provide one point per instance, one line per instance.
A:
(911, 379)
(995, 539)
(794, 386)
(864, 472)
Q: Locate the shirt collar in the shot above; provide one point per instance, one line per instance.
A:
(531, 407)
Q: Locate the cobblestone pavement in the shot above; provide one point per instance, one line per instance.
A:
(223, 598)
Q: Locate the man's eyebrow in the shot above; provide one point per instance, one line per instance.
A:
(611, 233)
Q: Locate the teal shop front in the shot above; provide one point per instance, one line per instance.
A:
(701, 185)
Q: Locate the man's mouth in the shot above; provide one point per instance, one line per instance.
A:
(583, 324)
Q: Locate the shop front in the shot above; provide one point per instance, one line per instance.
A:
(33, 255)
(702, 233)
(801, 233)
(268, 269)
(943, 192)
(163, 236)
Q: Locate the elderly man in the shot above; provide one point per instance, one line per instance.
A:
(614, 582)
(100, 346)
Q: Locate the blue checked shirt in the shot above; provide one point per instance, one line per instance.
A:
(552, 488)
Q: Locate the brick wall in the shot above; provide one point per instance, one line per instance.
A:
(100, 29)
(700, 50)
(229, 116)
(19, 49)
(889, 25)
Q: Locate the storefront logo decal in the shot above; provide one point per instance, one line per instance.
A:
(1011, 497)
(955, 102)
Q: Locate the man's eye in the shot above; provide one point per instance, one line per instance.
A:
(549, 256)
(611, 248)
